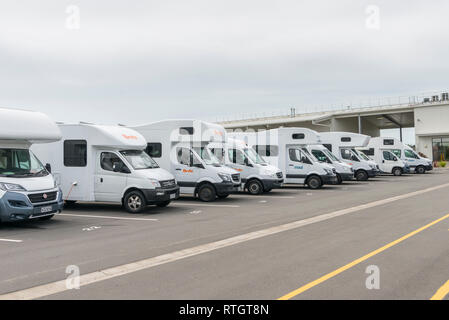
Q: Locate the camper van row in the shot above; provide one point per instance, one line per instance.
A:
(45, 166)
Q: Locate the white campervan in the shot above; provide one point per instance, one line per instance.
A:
(388, 162)
(27, 188)
(343, 145)
(180, 146)
(256, 173)
(345, 172)
(283, 148)
(405, 153)
(108, 164)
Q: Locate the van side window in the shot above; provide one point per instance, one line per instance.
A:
(298, 136)
(186, 131)
(184, 156)
(236, 156)
(294, 155)
(347, 155)
(108, 160)
(75, 153)
(154, 150)
(267, 151)
(388, 142)
(369, 152)
(219, 153)
(388, 156)
(410, 154)
(328, 147)
(346, 139)
(396, 152)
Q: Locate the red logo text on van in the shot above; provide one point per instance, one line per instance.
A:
(129, 137)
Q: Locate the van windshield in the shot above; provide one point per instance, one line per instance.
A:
(139, 159)
(20, 163)
(330, 155)
(208, 157)
(254, 156)
(361, 155)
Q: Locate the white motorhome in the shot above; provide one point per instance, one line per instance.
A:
(345, 172)
(27, 188)
(256, 173)
(99, 163)
(180, 146)
(283, 148)
(416, 163)
(343, 145)
(388, 162)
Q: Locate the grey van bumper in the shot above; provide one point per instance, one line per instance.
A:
(347, 176)
(224, 188)
(269, 184)
(161, 194)
(329, 179)
(372, 173)
(16, 206)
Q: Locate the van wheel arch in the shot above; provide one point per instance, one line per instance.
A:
(397, 171)
(361, 175)
(129, 190)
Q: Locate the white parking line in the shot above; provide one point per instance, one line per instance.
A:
(194, 204)
(105, 217)
(10, 240)
(105, 274)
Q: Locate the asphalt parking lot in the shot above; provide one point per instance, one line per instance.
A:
(292, 243)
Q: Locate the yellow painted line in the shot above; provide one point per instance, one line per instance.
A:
(442, 292)
(357, 261)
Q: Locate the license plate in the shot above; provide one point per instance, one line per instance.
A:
(46, 209)
(173, 196)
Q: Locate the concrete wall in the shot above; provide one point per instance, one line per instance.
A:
(430, 121)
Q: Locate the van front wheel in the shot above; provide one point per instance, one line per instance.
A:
(314, 182)
(420, 170)
(134, 201)
(254, 187)
(361, 175)
(207, 193)
(339, 179)
(397, 171)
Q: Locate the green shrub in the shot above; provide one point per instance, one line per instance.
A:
(443, 164)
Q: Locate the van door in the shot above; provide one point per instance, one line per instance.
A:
(389, 160)
(186, 174)
(109, 184)
(298, 166)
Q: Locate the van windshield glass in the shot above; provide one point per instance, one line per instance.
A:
(208, 157)
(311, 156)
(330, 155)
(254, 156)
(139, 160)
(20, 163)
(362, 155)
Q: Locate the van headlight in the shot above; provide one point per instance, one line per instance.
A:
(225, 177)
(155, 183)
(11, 187)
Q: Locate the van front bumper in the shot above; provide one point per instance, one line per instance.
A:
(161, 194)
(224, 188)
(429, 167)
(269, 184)
(16, 206)
(327, 179)
(372, 173)
(347, 176)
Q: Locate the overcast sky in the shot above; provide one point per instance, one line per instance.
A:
(139, 61)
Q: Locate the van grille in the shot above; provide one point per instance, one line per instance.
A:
(166, 184)
(279, 174)
(42, 197)
(236, 177)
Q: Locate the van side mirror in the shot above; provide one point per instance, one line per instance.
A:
(48, 167)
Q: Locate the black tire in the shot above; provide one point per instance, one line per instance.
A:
(134, 201)
(314, 182)
(207, 193)
(46, 218)
(223, 196)
(254, 187)
(163, 204)
(420, 170)
(339, 179)
(361, 175)
(397, 171)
